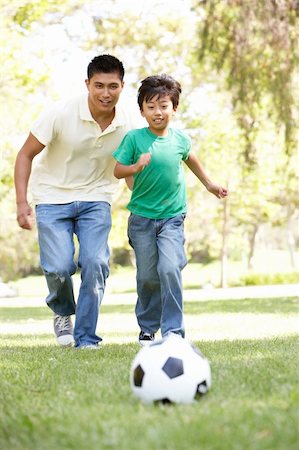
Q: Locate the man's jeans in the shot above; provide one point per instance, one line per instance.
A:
(160, 257)
(57, 224)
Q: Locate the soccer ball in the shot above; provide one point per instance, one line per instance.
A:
(170, 370)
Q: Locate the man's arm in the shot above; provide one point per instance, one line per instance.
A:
(196, 167)
(123, 171)
(23, 164)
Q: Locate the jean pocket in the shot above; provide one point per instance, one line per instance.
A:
(42, 210)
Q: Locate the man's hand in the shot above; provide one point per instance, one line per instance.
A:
(25, 216)
(219, 191)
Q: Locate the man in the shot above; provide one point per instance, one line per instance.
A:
(72, 185)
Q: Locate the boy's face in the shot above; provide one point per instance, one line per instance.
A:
(104, 90)
(158, 112)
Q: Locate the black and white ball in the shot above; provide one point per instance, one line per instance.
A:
(170, 370)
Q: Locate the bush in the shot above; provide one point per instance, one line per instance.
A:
(122, 257)
(254, 279)
(19, 252)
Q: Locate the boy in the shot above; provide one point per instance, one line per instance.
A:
(72, 187)
(158, 207)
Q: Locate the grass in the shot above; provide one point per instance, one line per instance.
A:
(81, 400)
(120, 280)
(195, 276)
(67, 399)
(282, 305)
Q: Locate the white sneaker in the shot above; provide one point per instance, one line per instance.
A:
(63, 329)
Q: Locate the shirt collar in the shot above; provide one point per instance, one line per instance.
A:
(85, 114)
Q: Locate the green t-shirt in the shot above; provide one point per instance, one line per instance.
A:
(159, 191)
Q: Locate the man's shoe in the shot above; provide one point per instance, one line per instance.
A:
(146, 338)
(63, 329)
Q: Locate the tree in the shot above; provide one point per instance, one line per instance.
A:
(253, 46)
(21, 76)
(244, 64)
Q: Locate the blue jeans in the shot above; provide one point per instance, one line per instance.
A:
(57, 225)
(160, 257)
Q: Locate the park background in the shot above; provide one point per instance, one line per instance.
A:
(238, 66)
(238, 63)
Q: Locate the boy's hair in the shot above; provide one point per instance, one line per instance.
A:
(105, 64)
(160, 85)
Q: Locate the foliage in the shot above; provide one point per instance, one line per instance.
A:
(266, 278)
(162, 48)
(253, 48)
(19, 248)
(256, 45)
(24, 75)
(237, 62)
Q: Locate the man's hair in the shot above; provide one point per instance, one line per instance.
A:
(105, 64)
(160, 85)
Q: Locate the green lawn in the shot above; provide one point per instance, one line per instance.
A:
(195, 276)
(283, 305)
(53, 398)
(67, 399)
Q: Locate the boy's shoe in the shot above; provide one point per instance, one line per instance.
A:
(63, 329)
(145, 338)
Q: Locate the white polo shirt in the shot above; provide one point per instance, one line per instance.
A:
(77, 162)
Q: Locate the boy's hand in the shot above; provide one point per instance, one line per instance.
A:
(143, 161)
(219, 191)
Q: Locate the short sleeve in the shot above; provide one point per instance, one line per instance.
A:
(187, 147)
(44, 126)
(124, 154)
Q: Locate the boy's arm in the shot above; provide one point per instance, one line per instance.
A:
(130, 182)
(123, 171)
(196, 167)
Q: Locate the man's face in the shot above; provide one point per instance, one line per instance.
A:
(104, 90)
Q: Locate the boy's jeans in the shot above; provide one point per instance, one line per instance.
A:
(160, 256)
(57, 224)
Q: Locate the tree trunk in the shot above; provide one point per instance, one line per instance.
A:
(224, 252)
(291, 241)
(252, 239)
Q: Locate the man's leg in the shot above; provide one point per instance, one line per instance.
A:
(142, 237)
(55, 232)
(172, 260)
(92, 227)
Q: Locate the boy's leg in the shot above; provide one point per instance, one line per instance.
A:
(55, 234)
(172, 259)
(142, 237)
(92, 228)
